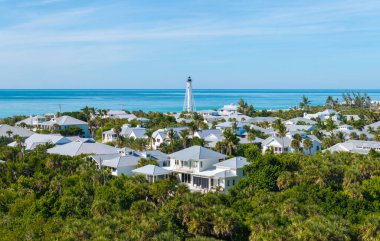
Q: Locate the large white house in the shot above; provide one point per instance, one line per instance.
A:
(192, 160)
(65, 123)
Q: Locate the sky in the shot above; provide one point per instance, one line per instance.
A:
(253, 44)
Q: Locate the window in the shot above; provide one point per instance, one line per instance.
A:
(201, 165)
(243, 173)
(228, 183)
(233, 182)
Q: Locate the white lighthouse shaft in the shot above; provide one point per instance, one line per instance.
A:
(189, 104)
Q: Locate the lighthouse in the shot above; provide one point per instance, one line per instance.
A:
(189, 105)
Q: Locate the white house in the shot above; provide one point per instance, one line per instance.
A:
(160, 136)
(121, 165)
(355, 146)
(77, 148)
(34, 121)
(228, 110)
(283, 145)
(191, 160)
(126, 131)
(153, 173)
(65, 123)
(324, 115)
(300, 120)
(41, 139)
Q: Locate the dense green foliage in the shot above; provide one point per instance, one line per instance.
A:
(284, 197)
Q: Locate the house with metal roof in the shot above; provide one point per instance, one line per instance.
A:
(221, 176)
(355, 146)
(152, 173)
(65, 123)
(300, 121)
(324, 115)
(79, 148)
(121, 165)
(283, 145)
(193, 160)
(10, 131)
(41, 139)
(33, 121)
(160, 136)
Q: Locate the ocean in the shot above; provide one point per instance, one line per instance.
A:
(28, 102)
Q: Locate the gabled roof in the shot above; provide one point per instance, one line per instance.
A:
(264, 119)
(373, 125)
(79, 148)
(15, 131)
(40, 139)
(155, 154)
(204, 133)
(32, 120)
(121, 161)
(197, 153)
(234, 163)
(116, 112)
(302, 119)
(151, 170)
(216, 173)
(64, 121)
(286, 140)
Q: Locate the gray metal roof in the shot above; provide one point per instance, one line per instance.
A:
(15, 131)
(79, 148)
(121, 161)
(197, 153)
(234, 163)
(151, 170)
(64, 121)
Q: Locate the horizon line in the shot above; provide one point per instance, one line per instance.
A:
(120, 89)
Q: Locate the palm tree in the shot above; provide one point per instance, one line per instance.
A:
(171, 135)
(295, 144)
(330, 124)
(308, 144)
(281, 131)
(184, 136)
(86, 111)
(9, 133)
(149, 134)
(305, 103)
(231, 141)
(20, 143)
(220, 146)
(117, 131)
(330, 102)
(251, 136)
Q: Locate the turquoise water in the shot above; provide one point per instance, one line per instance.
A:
(27, 102)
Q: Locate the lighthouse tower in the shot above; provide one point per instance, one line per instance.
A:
(189, 105)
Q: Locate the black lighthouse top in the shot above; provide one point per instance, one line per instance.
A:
(189, 79)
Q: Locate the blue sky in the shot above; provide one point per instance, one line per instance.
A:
(220, 43)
